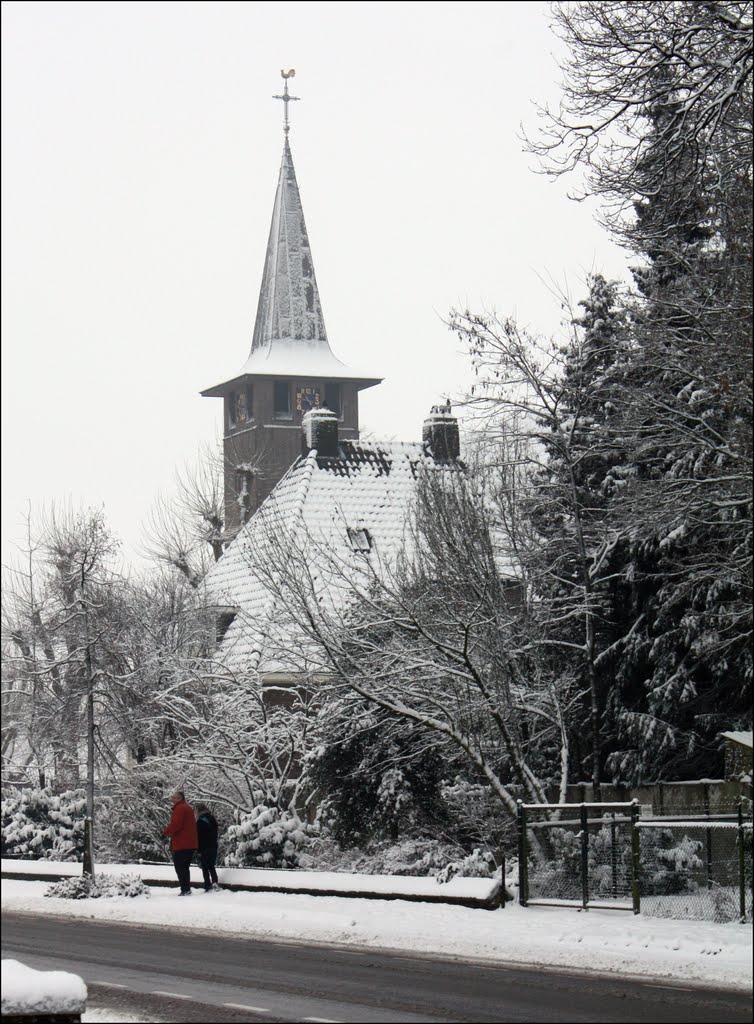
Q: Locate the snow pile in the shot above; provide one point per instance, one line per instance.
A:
(26, 992)
(102, 886)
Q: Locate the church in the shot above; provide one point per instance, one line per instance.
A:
(293, 460)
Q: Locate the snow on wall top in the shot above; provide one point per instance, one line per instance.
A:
(351, 511)
(746, 739)
(27, 992)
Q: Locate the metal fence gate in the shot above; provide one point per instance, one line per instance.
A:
(696, 869)
(584, 855)
(607, 856)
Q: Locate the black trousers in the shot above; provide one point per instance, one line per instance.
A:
(182, 864)
(208, 859)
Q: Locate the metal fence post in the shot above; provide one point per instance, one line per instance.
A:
(523, 880)
(502, 879)
(635, 856)
(741, 865)
(708, 837)
(584, 857)
(613, 856)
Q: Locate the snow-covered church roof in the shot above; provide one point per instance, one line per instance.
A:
(351, 509)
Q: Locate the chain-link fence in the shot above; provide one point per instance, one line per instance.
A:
(578, 855)
(696, 869)
(608, 856)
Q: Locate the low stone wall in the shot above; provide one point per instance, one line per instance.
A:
(669, 799)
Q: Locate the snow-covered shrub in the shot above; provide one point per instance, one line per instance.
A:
(266, 837)
(420, 857)
(477, 864)
(39, 824)
(84, 887)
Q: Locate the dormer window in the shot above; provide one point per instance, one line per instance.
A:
(223, 622)
(361, 540)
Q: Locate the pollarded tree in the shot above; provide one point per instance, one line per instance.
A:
(187, 531)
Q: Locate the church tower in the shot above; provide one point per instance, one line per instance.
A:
(291, 367)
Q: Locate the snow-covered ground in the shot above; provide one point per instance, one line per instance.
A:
(107, 1016)
(599, 940)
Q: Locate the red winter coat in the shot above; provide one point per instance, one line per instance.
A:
(182, 828)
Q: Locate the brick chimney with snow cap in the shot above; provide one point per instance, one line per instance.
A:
(319, 429)
(440, 434)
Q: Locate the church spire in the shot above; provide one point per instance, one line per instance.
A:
(291, 368)
(289, 310)
(290, 338)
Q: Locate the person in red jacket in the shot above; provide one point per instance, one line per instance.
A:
(183, 840)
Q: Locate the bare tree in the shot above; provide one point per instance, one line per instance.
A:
(544, 419)
(690, 61)
(59, 625)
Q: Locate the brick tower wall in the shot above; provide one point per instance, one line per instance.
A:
(265, 448)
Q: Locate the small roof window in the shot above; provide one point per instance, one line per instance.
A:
(361, 540)
(223, 621)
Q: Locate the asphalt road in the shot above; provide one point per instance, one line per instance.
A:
(196, 977)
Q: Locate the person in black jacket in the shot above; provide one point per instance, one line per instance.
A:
(206, 829)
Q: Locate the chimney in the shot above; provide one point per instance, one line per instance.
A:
(320, 432)
(440, 434)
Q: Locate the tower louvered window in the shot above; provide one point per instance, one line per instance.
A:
(282, 400)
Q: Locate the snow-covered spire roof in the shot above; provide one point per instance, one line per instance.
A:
(290, 338)
(289, 309)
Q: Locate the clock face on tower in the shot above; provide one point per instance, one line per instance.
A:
(308, 397)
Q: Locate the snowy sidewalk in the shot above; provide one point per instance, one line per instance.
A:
(598, 940)
(465, 892)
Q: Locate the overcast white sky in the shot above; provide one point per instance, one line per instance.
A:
(140, 155)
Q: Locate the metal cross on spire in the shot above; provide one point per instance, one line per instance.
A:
(286, 97)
